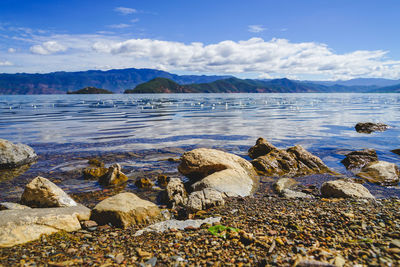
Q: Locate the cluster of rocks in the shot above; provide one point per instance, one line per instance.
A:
(365, 164)
(213, 176)
(294, 161)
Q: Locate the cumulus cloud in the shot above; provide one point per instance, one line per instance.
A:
(256, 28)
(47, 48)
(5, 63)
(277, 56)
(11, 50)
(125, 10)
(119, 26)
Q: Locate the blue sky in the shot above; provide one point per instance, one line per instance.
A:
(306, 39)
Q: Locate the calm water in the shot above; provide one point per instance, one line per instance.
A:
(140, 131)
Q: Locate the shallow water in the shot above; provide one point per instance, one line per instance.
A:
(141, 131)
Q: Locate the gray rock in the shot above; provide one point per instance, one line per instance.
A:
(219, 170)
(14, 155)
(204, 199)
(380, 172)
(175, 193)
(345, 189)
(21, 226)
(42, 193)
(12, 206)
(176, 224)
(287, 193)
(358, 159)
(369, 127)
(126, 209)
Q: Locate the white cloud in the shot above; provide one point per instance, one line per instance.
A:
(134, 20)
(47, 48)
(11, 50)
(125, 10)
(5, 63)
(254, 57)
(277, 56)
(256, 28)
(119, 26)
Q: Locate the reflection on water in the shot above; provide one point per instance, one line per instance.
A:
(72, 125)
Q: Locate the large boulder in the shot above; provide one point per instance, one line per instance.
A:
(113, 177)
(126, 209)
(175, 193)
(294, 161)
(224, 172)
(261, 148)
(358, 159)
(380, 172)
(42, 193)
(21, 226)
(12, 206)
(344, 189)
(204, 199)
(369, 127)
(14, 155)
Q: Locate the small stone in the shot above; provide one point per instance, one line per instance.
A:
(113, 177)
(119, 258)
(163, 180)
(88, 224)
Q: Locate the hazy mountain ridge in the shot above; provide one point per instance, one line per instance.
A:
(118, 80)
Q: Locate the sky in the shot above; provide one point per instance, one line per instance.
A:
(297, 39)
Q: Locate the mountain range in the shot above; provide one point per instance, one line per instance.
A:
(144, 80)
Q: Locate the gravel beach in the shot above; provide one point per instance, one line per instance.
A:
(271, 231)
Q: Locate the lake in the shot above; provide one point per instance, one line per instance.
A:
(142, 131)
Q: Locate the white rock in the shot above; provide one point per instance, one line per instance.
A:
(204, 199)
(176, 224)
(345, 189)
(21, 226)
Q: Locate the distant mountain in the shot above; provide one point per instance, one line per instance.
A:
(89, 90)
(387, 89)
(114, 80)
(230, 85)
(119, 80)
(373, 82)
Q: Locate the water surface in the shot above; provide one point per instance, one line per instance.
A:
(141, 131)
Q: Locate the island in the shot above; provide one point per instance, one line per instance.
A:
(90, 90)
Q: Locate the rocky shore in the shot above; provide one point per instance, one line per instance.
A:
(272, 231)
(222, 213)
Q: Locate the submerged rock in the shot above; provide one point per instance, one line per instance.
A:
(344, 189)
(380, 172)
(204, 199)
(42, 193)
(224, 172)
(94, 173)
(113, 177)
(144, 183)
(369, 127)
(358, 159)
(177, 225)
(294, 161)
(21, 226)
(163, 180)
(15, 155)
(126, 209)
